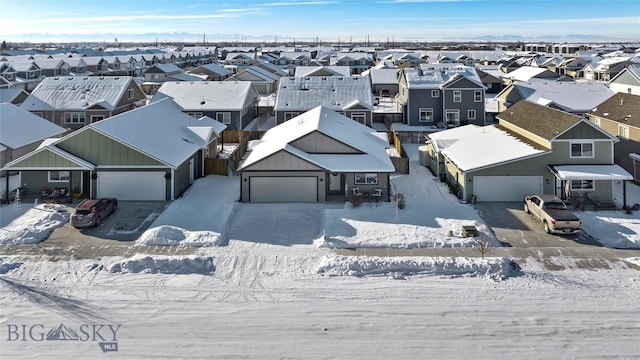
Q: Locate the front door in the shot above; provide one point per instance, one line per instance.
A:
(335, 183)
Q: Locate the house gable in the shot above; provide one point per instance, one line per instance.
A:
(626, 77)
(101, 150)
(319, 143)
(583, 130)
(282, 160)
(462, 83)
(44, 158)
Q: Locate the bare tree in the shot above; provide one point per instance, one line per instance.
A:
(483, 246)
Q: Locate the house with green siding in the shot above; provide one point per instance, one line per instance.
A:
(152, 153)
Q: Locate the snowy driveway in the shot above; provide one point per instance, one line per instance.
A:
(515, 228)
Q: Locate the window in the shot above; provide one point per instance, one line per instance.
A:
(95, 118)
(8, 76)
(471, 114)
(596, 121)
(359, 117)
(74, 118)
(31, 74)
(224, 117)
(196, 115)
(453, 117)
(290, 115)
(426, 115)
(623, 131)
(130, 94)
(366, 179)
(629, 91)
(582, 150)
(64, 71)
(582, 185)
(58, 176)
(457, 96)
(477, 96)
(435, 93)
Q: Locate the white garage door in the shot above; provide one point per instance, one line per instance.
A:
(136, 185)
(283, 189)
(506, 188)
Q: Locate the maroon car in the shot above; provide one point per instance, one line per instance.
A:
(91, 211)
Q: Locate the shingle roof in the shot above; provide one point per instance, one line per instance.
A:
(208, 95)
(569, 96)
(617, 108)
(334, 92)
(18, 127)
(76, 93)
(537, 119)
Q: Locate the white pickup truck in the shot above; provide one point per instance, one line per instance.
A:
(553, 214)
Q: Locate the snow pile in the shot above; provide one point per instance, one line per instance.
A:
(35, 225)
(7, 265)
(165, 265)
(615, 229)
(167, 235)
(398, 267)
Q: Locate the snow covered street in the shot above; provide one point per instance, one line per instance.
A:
(247, 289)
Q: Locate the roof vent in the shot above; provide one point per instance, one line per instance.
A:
(202, 102)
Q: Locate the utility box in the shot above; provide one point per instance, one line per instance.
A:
(469, 231)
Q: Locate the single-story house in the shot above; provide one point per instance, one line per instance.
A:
(315, 155)
(152, 153)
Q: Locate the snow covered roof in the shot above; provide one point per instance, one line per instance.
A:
(76, 93)
(591, 172)
(183, 77)
(435, 76)
(332, 70)
(373, 156)
(19, 127)
(208, 95)
(335, 92)
(574, 97)
(472, 147)
(160, 130)
(215, 68)
(526, 73)
(383, 76)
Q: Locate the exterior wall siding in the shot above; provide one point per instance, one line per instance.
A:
(531, 137)
(319, 143)
(92, 146)
(583, 131)
(36, 181)
(383, 183)
(282, 161)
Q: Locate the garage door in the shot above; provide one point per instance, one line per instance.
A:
(136, 185)
(506, 188)
(283, 189)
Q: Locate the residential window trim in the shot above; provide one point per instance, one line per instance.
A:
(623, 131)
(224, 117)
(582, 185)
(477, 96)
(456, 117)
(471, 114)
(596, 121)
(457, 96)
(365, 179)
(425, 115)
(583, 153)
(196, 115)
(59, 176)
(359, 117)
(130, 94)
(435, 93)
(288, 115)
(96, 118)
(74, 118)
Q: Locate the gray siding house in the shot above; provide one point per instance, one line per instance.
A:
(441, 94)
(313, 156)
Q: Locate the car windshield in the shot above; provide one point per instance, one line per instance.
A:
(83, 212)
(555, 205)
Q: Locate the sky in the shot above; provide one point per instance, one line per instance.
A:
(378, 21)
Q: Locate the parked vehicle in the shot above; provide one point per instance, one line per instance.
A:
(90, 212)
(553, 214)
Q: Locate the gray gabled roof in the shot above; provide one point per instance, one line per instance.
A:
(208, 95)
(622, 108)
(334, 92)
(572, 97)
(18, 127)
(77, 92)
(437, 76)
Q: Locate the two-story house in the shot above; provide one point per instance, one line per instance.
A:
(157, 74)
(620, 116)
(211, 72)
(533, 149)
(452, 95)
(232, 103)
(73, 102)
(627, 81)
(348, 95)
(357, 62)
